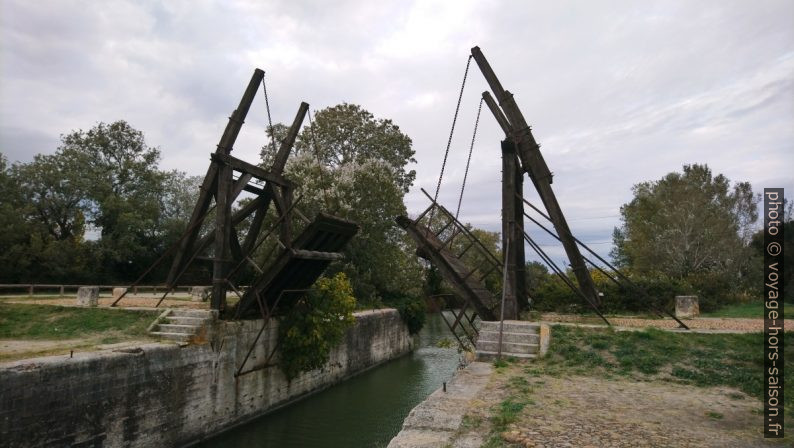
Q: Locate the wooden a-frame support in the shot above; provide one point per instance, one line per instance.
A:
(520, 141)
(219, 184)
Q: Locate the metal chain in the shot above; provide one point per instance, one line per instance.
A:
(451, 132)
(319, 162)
(468, 161)
(269, 120)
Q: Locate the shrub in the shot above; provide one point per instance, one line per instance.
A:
(315, 325)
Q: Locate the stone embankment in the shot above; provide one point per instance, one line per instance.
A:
(435, 421)
(173, 394)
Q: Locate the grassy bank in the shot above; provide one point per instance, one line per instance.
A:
(701, 360)
(752, 310)
(41, 322)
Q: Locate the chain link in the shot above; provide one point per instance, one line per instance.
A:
(468, 161)
(449, 141)
(319, 162)
(269, 120)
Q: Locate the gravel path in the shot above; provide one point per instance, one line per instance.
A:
(128, 301)
(711, 324)
(592, 412)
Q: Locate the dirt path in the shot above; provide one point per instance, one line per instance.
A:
(15, 349)
(593, 412)
(127, 302)
(715, 324)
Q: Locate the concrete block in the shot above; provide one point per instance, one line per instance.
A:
(686, 307)
(545, 339)
(88, 296)
(200, 293)
(117, 292)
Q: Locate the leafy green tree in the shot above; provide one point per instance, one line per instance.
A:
(686, 223)
(352, 165)
(124, 187)
(757, 245)
(347, 134)
(690, 227)
(106, 178)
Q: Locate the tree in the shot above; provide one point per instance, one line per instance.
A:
(124, 187)
(691, 227)
(347, 134)
(51, 188)
(686, 223)
(353, 165)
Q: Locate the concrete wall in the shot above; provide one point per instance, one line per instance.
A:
(166, 395)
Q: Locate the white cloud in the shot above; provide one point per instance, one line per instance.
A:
(617, 92)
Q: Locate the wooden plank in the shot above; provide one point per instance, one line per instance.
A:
(316, 255)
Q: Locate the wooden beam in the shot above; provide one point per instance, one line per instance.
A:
(286, 145)
(223, 227)
(245, 167)
(509, 242)
(238, 116)
(184, 251)
(533, 163)
(497, 113)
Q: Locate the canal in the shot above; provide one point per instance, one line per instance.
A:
(364, 411)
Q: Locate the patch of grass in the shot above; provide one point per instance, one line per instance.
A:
(734, 360)
(470, 422)
(500, 363)
(506, 413)
(495, 441)
(714, 415)
(40, 322)
(748, 310)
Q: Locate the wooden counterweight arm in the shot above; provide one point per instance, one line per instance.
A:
(533, 163)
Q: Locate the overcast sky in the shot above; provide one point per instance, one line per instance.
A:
(616, 92)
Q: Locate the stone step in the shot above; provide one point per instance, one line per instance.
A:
(203, 314)
(486, 356)
(173, 328)
(181, 337)
(508, 347)
(179, 320)
(521, 338)
(511, 326)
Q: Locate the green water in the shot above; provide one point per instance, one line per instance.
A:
(364, 411)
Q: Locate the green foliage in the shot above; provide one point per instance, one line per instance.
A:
(353, 165)
(23, 321)
(105, 179)
(691, 227)
(413, 312)
(318, 323)
(751, 310)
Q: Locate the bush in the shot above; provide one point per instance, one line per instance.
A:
(315, 325)
(413, 313)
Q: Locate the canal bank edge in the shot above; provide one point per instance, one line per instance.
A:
(434, 422)
(171, 395)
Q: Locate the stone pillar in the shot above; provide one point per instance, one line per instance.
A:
(686, 307)
(200, 293)
(88, 296)
(117, 292)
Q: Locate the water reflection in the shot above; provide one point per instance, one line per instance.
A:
(365, 411)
